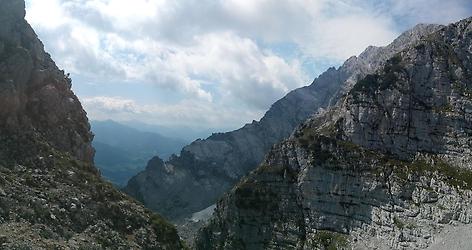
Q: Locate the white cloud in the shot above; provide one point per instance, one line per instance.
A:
(47, 14)
(348, 35)
(191, 113)
(239, 68)
(223, 58)
(218, 55)
(111, 104)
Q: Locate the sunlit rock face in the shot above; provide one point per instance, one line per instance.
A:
(387, 167)
(207, 168)
(51, 195)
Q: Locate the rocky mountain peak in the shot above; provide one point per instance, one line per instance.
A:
(387, 166)
(155, 164)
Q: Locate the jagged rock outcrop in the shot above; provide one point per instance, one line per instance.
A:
(51, 195)
(387, 167)
(207, 168)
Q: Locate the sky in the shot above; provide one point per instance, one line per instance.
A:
(213, 63)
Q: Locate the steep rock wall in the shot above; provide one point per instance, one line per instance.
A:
(387, 166)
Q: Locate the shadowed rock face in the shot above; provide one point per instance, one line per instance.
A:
(386, 167)
(34, 93)
(51, 195)
(208, 168)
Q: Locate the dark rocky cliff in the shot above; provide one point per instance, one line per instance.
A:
(51, 195)
(387, 167)
(34, 93)
(208, 168)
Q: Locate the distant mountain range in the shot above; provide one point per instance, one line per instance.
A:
(123, 151)
(185, 133)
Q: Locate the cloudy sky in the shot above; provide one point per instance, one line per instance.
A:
(213, 63)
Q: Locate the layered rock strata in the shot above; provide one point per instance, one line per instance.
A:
(387, 167)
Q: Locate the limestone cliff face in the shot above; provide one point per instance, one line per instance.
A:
(208, 168)
(385, 168)
(51, 195)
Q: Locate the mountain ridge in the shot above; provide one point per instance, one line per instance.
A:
(214, 165)
(386, 167)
